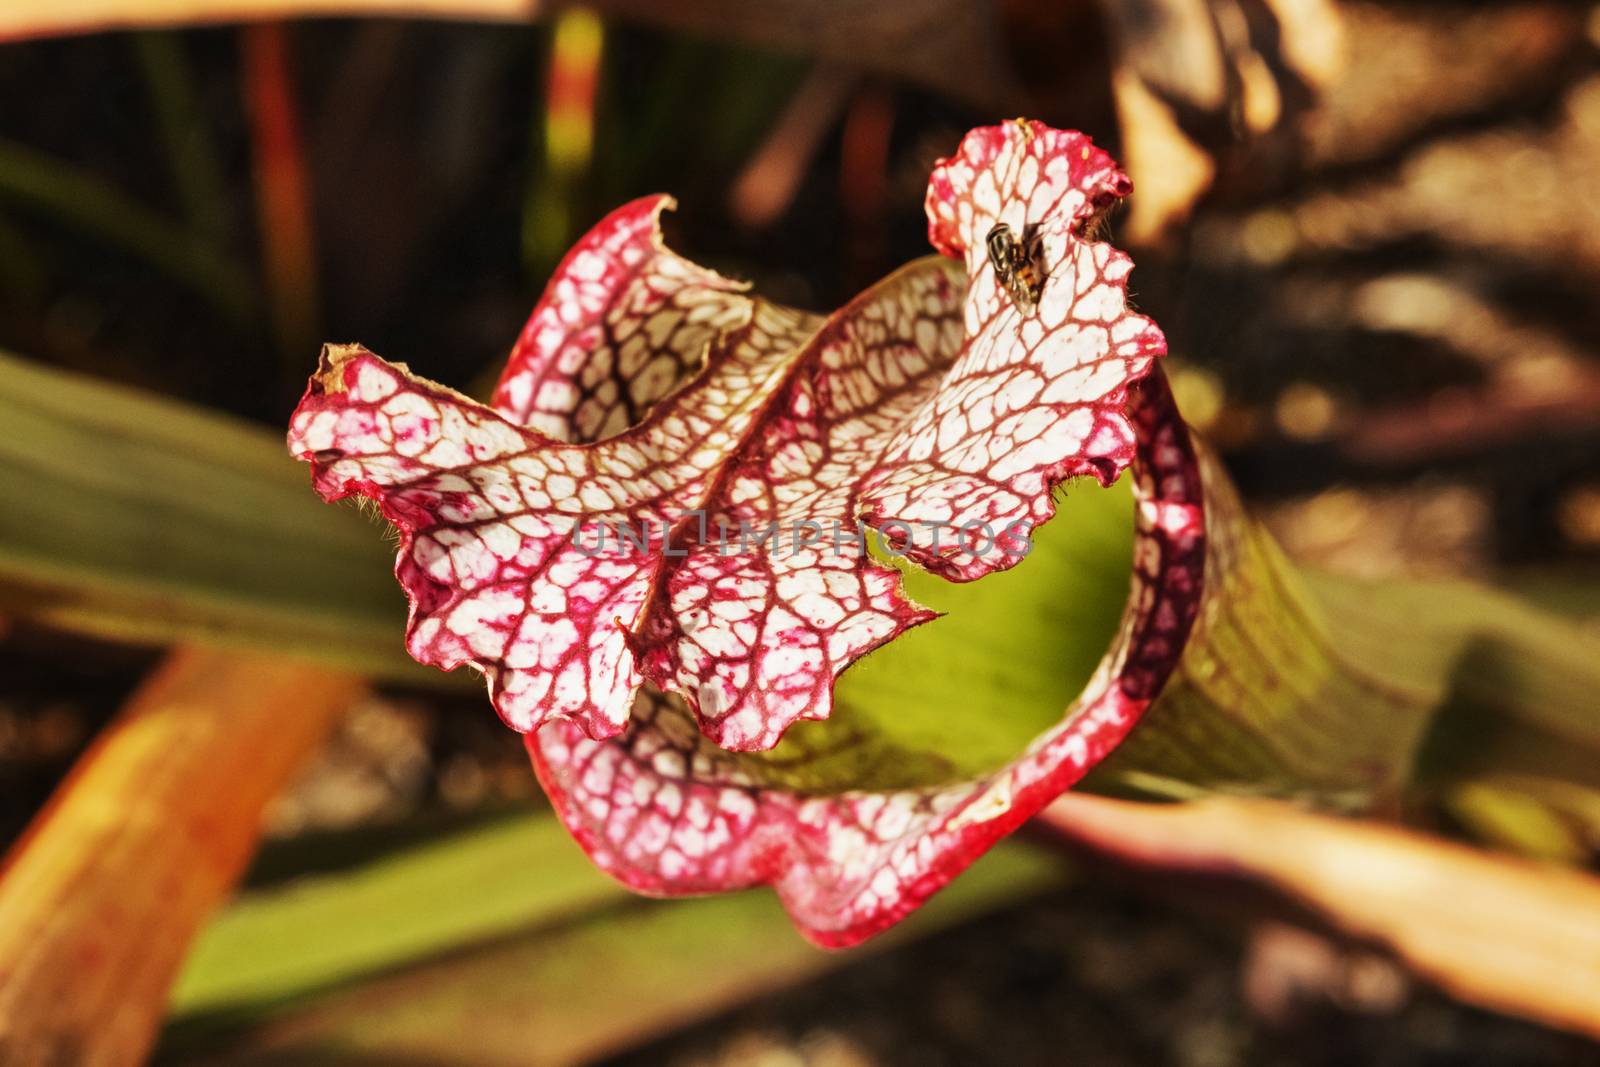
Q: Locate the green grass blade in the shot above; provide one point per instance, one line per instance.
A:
(505, 946)
(86, 203)
(134, 517)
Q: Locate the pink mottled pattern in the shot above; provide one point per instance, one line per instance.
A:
(930, 409)
(756, 638)
(1033, 399)
(623, 321)
(491, 515)
(929, 400)
(665, 811)
(752, 638)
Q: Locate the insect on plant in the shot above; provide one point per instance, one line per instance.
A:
(1014, 268)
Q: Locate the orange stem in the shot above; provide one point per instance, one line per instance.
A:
(150, 831)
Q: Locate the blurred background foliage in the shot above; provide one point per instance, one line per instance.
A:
(1376, 272)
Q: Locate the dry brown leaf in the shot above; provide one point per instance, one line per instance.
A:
(1504, 933)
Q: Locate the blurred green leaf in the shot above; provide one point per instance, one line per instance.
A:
(84, 202)
(138, 518)
(316, 932)
(22, 273)
(191, 151)
(504, 946)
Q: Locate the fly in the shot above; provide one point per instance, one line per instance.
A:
(1014, 268)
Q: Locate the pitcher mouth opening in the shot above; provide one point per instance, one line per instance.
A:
(667, 812)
